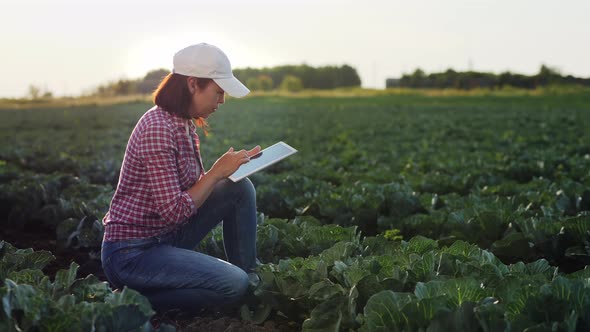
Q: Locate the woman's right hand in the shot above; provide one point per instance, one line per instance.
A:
(230, 161)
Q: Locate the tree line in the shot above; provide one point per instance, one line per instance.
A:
(471, 79)
(125, 87)
(290, 78)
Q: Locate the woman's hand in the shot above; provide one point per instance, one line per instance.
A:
(230, 161)
(225, 166)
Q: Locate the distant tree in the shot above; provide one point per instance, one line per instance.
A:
(34, 92)
(266, 82)
(291, 83)
(392, 82)
(125, 87)
(415, 80)
(547, 75)
(347, 76)
(471, 79)
(260, 83)
(246, 74)
(328, 77)
(151, 80)
(549, 71)
(253, 83)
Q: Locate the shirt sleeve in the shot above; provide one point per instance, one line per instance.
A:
(157, 149)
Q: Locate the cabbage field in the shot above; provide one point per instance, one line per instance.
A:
(400, 212)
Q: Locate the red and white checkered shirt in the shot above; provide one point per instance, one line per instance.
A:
(160, 164)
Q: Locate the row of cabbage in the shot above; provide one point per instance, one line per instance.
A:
(517, 222)
(337, 280)
(332, 279)
(32, 301)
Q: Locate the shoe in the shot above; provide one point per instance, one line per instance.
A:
(253, 309)
(255, 312)
(253, 282)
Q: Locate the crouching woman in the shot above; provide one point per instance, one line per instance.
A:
(165, 202)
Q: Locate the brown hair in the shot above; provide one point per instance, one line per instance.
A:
(173, 96)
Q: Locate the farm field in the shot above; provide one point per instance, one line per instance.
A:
(399, 213)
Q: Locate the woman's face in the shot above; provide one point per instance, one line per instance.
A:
(204, 101)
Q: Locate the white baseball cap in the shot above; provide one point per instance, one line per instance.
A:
(208, 61)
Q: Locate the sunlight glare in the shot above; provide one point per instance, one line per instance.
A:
(156, 52)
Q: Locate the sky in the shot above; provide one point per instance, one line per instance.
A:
(71, 47)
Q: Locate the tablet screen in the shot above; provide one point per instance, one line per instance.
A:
(265, 158)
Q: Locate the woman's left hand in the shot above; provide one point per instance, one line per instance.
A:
(230, 161)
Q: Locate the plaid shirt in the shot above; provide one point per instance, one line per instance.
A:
(160, 164)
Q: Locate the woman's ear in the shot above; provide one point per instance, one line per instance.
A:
(191, 83)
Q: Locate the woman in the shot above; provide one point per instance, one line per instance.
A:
(165, 202)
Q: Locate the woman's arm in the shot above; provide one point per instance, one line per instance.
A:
(225, 166)
(157, 148)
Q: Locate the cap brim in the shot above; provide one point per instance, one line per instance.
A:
(232, 86)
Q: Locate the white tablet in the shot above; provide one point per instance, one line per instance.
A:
(263, 159)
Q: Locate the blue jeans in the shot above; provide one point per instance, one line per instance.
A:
(172, 275)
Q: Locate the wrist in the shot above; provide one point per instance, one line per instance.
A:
(213, 175)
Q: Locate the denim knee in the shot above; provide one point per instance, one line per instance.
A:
(246, 188)
(237, 285)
